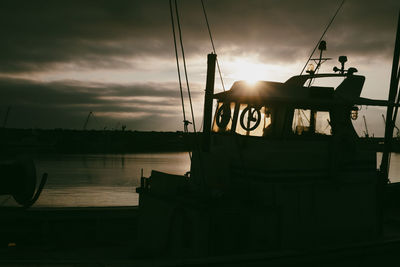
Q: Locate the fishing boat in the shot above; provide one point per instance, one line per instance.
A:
(278, 177)
(279, 169)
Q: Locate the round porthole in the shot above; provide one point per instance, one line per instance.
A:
(250, 118)
(223, 115)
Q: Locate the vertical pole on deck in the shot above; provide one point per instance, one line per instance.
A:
(394, 83)
(384, 168)
(208, 101)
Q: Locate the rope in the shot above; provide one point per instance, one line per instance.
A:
(184, 65)
(185, 122)
(322, 36)
(212, 44)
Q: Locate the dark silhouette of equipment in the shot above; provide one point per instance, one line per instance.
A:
(91, 116)
(343, 60)
(87, 120)
(311, 70)
(18, 179)
(321, 43)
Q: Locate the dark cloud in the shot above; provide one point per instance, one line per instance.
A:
(102, 34)
(65, 104)
(42, 36)
(36, 34)
(288, 30)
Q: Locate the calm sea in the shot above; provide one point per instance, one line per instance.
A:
(111, 179)
(99, 180)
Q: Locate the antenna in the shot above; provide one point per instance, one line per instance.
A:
(318, 61)
(322, 36)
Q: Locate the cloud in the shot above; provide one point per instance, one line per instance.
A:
(40, 35)
(94, 38)
(65, 104)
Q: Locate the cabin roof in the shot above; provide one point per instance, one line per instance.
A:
(265, 91)
(293, 91)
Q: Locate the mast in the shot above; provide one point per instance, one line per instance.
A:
(208, 100)
(393, 91)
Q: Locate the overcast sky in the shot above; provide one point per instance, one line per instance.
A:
(61, 59)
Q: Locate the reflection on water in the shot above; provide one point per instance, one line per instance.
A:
(111, 180)
(99, 180)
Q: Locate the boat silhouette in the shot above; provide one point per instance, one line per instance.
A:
(278, 178)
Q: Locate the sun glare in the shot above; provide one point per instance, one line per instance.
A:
(248, 71)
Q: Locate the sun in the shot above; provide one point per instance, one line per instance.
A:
(251, 69)
(242, 69)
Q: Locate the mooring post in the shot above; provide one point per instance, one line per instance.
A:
(208, 101)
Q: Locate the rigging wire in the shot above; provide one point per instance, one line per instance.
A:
(185, 121)
(184, 65)
(243, 168)
(177, 66)
(322, 36)
(212, 44)
(197, 145)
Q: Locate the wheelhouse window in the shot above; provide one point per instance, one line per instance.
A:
(245, 119)
(301, 121)
(254, 120)
(306, 121)
(223, 117)
(323, 123)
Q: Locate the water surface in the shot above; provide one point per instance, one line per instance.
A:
(111, 179)
(99, 180)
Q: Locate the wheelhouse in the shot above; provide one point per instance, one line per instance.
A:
(290, 109)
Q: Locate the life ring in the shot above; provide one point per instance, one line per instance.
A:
(250, 111)
(223, 115)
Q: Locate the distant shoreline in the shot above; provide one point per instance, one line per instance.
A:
(63, 141)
